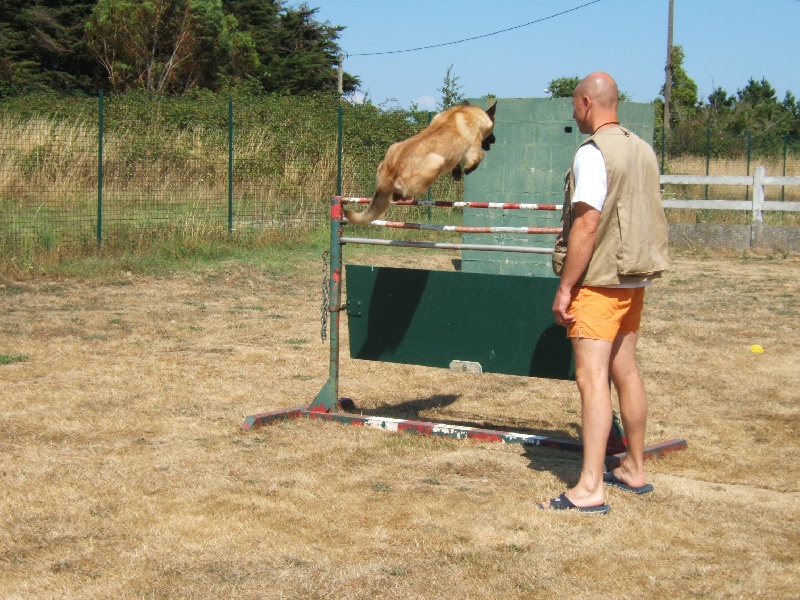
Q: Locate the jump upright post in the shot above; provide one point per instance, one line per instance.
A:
(428, 318)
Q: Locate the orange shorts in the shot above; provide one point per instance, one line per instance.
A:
(602, 313)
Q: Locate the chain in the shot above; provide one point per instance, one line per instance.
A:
(325, 295)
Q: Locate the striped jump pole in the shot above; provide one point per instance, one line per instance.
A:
(445, 245)
(464, 229)
(465, 204)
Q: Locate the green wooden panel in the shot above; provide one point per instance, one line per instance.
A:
(536, 140)
(431, 318)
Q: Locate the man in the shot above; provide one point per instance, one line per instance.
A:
(616, 244)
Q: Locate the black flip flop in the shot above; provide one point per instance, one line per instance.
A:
(564, 503)
(611, 479)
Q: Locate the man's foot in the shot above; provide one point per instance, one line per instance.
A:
(564, 503)
(612, 480)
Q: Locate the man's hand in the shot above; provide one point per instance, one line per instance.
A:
(579, 252)
(561, 305)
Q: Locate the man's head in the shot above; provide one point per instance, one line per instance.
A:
(595, 101)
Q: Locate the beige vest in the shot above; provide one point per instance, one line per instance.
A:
(631, 243)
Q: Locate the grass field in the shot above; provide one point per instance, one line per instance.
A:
(124, 472)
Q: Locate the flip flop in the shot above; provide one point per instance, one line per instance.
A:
(564, 503)
(610, 479)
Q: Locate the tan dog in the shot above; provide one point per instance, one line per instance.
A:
(454, 136)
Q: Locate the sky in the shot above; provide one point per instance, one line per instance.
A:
(726, 42)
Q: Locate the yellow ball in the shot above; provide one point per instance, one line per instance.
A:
(756, 349)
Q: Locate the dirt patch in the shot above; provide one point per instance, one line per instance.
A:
(124, 471)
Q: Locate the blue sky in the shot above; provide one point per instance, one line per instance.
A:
(726, 42)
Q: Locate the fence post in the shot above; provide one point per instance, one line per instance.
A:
(431, 114)
(230, 165)
(757, 224)
(708, 155)
(785, 149)
(749, 150)
(326, 400)
(340, 118)
(100, 168)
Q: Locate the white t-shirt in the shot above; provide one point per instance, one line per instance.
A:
(591, 186)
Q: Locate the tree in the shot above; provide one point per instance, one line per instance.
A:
(757, 93)
(256, 21)
(683, 94)
(167, 46)
(159, 45)
(451, 91)
(758, 109)
(296, 53)
(41, 44)
(306, 55)
(720, 100)
(562, 87)
(792, 108)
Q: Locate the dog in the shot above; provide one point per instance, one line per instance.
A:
(457, 135)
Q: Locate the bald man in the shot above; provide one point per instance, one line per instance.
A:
(616, 238)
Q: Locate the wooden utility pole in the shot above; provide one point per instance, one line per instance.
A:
(340, 77)
(668, 69)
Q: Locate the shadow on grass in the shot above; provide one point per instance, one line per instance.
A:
(564, 464)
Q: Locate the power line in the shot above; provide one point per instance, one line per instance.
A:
(477, 37)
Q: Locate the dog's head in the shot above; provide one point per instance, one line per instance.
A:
(490, 111)
(490, 139)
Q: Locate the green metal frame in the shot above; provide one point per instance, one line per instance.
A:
(328, 397)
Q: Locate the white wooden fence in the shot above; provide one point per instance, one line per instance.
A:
(757, 205)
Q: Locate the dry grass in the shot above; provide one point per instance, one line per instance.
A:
(124, 473)
(48, 175)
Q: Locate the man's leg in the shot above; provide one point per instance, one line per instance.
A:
(591, 373)
(633, 407)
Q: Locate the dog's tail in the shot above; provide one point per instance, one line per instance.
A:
(380, 203)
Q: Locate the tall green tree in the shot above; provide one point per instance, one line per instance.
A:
(683, 95)
(758, 109)
(305, 55)
(562, 87)
(792, 107)
(757, 93)
(41, 44)
(451, 91)
(256, 22)
(159, 46)
(167, 46)
(721, 101)
(296, 53)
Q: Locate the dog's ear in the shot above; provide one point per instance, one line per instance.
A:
(465, 103)
(490, 111)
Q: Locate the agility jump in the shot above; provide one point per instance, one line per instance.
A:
(462, 321)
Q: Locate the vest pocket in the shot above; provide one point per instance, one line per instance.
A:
(635, 243)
